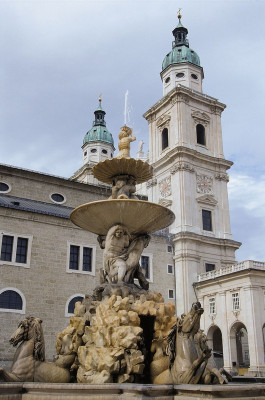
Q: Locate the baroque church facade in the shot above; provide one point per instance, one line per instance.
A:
(47, 263)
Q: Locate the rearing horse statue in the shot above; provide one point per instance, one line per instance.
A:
(187, 360)
(29, 361)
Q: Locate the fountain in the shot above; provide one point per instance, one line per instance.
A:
(123, 340)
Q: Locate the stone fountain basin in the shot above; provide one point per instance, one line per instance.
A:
(106, 170)
(138, 216)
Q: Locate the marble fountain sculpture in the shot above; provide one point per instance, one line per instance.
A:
(122, 333)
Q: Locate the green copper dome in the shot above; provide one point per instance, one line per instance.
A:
(181, 52)
(99, 131)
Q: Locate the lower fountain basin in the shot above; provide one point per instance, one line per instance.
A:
(138, 216)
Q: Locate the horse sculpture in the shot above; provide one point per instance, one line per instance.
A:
(28, 364)
(187, 357)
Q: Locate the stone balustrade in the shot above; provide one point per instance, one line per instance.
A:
(229, 269)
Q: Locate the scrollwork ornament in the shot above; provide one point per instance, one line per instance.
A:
(222, 177)
(181, 166)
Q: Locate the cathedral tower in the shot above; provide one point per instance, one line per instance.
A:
(186, 151)
(98, 145)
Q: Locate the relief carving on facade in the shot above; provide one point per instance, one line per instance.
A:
(222, 177)
(163, 121)
(200, 118)
(204, 184)
(165, 187)
(152, 182)
(165, 202)
(207, 199)
(216, 110)
(181, 166)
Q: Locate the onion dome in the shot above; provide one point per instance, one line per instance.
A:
(181, 52)
(99, 131)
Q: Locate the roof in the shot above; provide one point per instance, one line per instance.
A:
(40, 207)
(179, 55)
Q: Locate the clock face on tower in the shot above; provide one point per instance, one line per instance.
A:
(204, 184)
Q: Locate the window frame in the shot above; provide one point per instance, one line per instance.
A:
(173, 269)
(212, 306)
(174, 295)
(80, 262)
(150, 255)
(13, 310)
(210, 270)
(233, 296)
(171, 251)
(212, 220)
(66, 313)
(58, 202)
(14, 250)
(9, 187)
(164, 131)
(200, 133)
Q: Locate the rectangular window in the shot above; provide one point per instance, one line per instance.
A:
(74, 257)
(81, 259)
(235, 301)
(145, 264)
(169, 249)
(170, 269)
(87, 259)
(7, 248)
(212, 306)
(171, 294)
(209, 267)
(15, 249)
(22, 249)
(207, 220)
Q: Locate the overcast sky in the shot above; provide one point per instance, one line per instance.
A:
(57, 56)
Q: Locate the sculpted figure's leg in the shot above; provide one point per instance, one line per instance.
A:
(8, 376)
(121, 269)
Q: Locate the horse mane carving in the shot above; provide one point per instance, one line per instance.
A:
(39, 345)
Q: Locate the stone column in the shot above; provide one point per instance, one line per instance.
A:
(225, 333)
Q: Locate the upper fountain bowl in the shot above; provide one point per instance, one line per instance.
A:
(106, 170)
(138, 216)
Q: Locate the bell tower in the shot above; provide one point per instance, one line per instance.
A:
(190, 170)
(98, 145)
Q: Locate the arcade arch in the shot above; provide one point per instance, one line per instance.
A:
(215, 342)
(239, 345)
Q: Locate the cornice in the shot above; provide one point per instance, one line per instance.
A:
(182, 93)
(181, 151)
(206, 239)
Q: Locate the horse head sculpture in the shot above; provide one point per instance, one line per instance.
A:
(28, 363)
(30, 328)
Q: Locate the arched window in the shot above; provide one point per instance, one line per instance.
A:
(70, 304)
(12, 300)
(200, 130)
(164, 138)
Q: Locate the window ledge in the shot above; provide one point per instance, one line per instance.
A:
(14, 264)
(74, 271)
(11, 310)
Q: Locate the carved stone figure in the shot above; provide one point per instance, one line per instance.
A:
(121, 256)
(126, 137)
(188, 356)
(29, 361)
(123, 187)
(211, 374)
